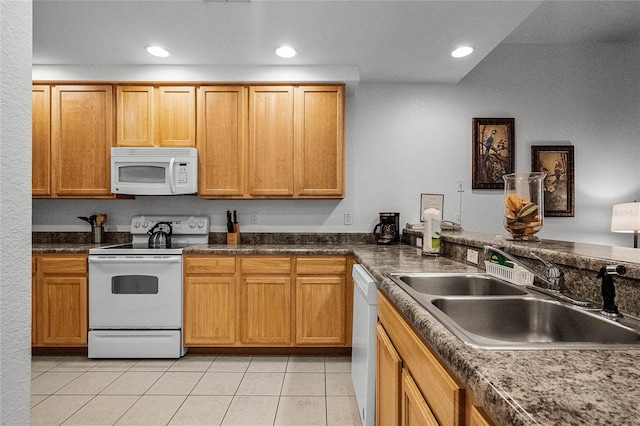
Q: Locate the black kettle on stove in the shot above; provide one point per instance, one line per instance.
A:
(160, 235)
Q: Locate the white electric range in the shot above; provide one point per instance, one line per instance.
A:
(135, 291)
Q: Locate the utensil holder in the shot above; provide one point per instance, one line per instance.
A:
(98, 234)
(233, 238)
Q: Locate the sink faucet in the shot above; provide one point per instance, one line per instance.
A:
(609, 307)
(553, 276)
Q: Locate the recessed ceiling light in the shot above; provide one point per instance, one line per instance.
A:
(286, 52)
(463, 51)
(157, 51)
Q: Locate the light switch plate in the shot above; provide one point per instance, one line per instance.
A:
(472, 256)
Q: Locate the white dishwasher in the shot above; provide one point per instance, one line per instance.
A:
(363, 352)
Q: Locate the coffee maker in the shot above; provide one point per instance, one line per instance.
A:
(388, 230)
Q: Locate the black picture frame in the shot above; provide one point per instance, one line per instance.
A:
(493, 144)
(557, 161)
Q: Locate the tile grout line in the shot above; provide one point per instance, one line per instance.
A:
(190, 392)
(235, 393)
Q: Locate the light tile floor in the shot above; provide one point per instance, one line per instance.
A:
(194, 390)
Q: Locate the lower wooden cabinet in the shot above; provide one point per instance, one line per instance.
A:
(323, 298)
(413, 387)
(267, 301)
(388, 380)
(60, 316)
(415, 410)
(210, 300)
(477, 417)
(265, 310)
(210, 318)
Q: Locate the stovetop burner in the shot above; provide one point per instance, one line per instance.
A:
(186, 231)
(145, 246)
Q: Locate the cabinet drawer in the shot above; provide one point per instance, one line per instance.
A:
(64, 264)
(265, 265)
(441, 390)
(329, 265)
(210, 265)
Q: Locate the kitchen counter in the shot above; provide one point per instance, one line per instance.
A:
(63, 248)
(514, 387)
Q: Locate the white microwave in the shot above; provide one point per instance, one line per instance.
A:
(154, 171)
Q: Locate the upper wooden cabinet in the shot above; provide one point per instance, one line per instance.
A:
(81, 140)
(271, 119)
(41, 141)
(221, 143)
(163, 116)
(134, 106)
(319, 141)
(271, 141)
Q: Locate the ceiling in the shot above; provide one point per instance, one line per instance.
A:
(407, 41)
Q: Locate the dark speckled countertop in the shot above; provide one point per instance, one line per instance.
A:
(560, 387)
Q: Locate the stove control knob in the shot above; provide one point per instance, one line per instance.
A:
(145, 224)
(192, 224)
(200, 224)
(136, 224)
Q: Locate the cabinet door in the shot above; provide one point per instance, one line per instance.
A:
(415, 411)
(41, 141)
(134, 116)
(82, 136)
(265, 310)
(320, 310)
(34, 302)
(63, 307)
(222, 119)
(271, 141)
(477, 417)
(319, 141)
(176, 116)
(388, 380)
(209, 310)
(441, 390)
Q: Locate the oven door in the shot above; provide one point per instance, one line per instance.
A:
(135, 292)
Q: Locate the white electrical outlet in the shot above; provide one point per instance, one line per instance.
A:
(460, 184)
(472, 256)
(253, 218)
(347, 219)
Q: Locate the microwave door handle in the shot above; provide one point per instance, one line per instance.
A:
(172, 184)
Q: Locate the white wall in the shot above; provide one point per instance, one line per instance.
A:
(15, 212)
(407, 139)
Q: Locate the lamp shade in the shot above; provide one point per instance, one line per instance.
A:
(625, 217)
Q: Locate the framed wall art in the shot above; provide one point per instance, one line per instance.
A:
(493, 152)
(557, 162)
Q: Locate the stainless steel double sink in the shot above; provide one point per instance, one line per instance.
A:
(488, 313)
